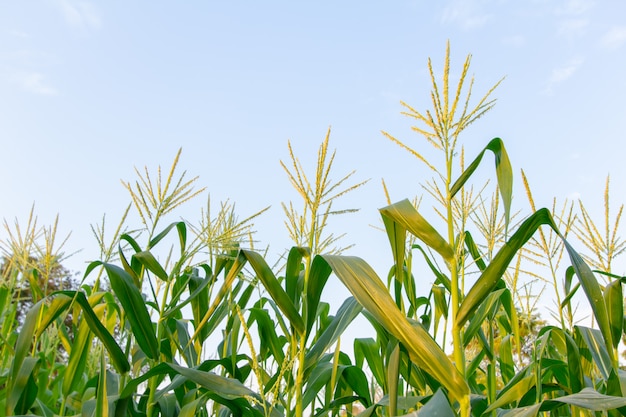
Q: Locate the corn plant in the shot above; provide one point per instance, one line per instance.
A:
(488, 300)
(184, 318)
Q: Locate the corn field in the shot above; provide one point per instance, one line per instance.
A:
(183, 319)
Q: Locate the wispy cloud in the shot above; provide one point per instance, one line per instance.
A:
(79, 13)
(572, 28)
(561, 74)
(516, 40)
(575, 7)
(467, 14)
(614, 38)
(34, 82)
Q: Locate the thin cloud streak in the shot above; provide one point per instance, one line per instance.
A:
(614, 38)
(80, 14)
(562, 74)
(34, 82)
(465, 14)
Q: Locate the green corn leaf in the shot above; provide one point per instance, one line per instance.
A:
(491, 302)
(437, 406)
(366, 349)
(594, 296)
(505, 359)
(23, 389)
(576, 380)
(402, 216)
(318, 276)
(148, 260)
(512, 392)
(293, 271)
(188, 352)
(135, 309)
(77, 362)
(345, 315)
(226, 388)
(190, 409)
(595, 343)
(199, 297)
(357, 381)
(57, 306)
(615, 308)
(181, 227)
(496, 268)
(371, 293)
(102, 400)
(473, 250)
(441, 305)
(442, 279)
(274, 288)
(393, 374)
(318, 379)
(227, 287)
(118, 358)
(529, 411)
(504, 173)
(267, 334)
(23, 343)
(588, 399)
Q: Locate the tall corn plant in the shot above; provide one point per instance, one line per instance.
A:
(292, 365)
(487, 300)
(142, 327)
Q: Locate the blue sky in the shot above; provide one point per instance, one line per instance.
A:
(89, 90)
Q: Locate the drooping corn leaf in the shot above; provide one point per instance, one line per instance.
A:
(227, 388)
(587, 398)
(117, 356)
(293, 270)
(403, 216)
(181, 227)
(597, 349)
(594, 296)
(272, 286)
(345, 315)
(318, 276)
(504, 173)
(369, 290)
(513, 392)
(437, 406)
(135, 309)
(147, 259)
(367, 350)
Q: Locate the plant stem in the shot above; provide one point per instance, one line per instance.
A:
(455, 298)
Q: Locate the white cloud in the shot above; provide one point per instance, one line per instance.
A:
(562, 74)
(79, 13)
(517, 40)
(575, 7)
(18, 34)
(614, 38)
(466, 14)
(34, 82)
(572, 28)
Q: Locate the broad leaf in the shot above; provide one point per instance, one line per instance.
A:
(504, 173)
(403, 216)
(371, 293)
